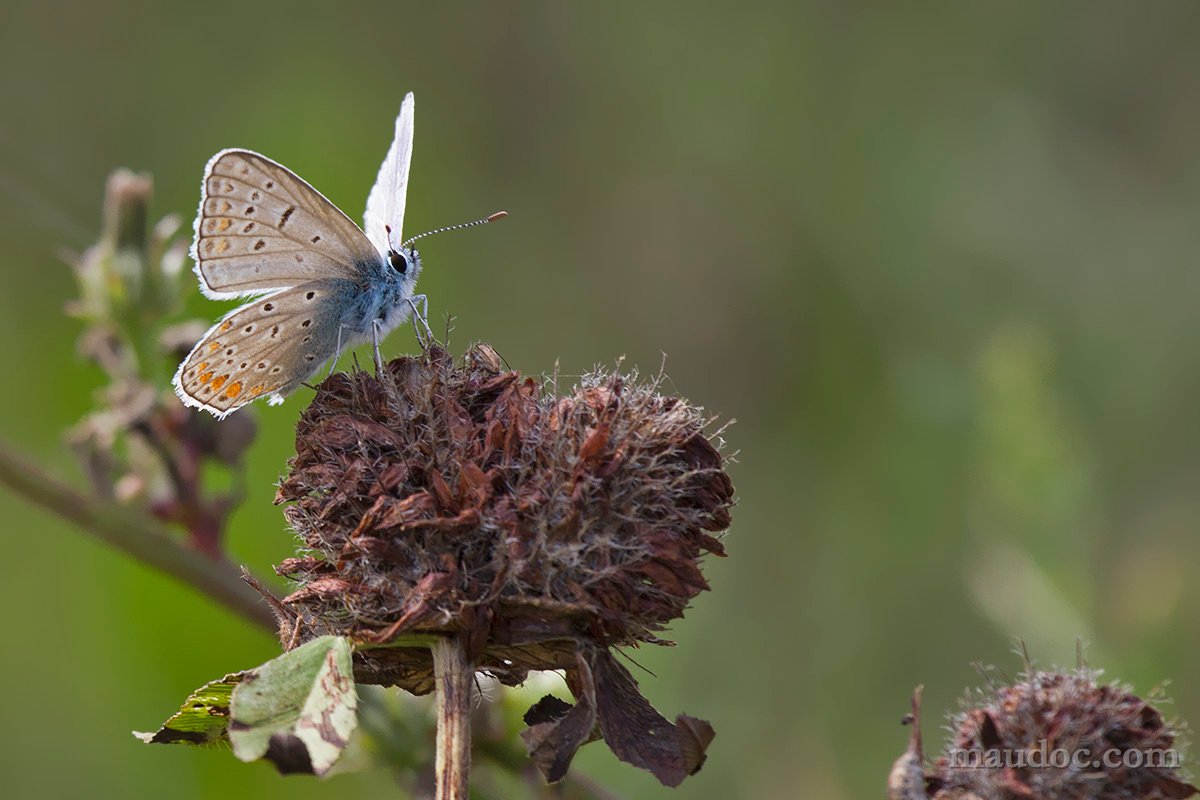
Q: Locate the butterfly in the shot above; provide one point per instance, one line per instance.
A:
(320, 283)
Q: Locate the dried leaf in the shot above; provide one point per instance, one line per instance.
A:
(557, 729)
(639, 735)
(297, 710)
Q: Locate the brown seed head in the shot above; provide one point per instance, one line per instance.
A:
(465, 498)
(1059, 735)
(541, 529)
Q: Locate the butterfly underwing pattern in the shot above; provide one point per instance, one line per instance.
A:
(319, 283)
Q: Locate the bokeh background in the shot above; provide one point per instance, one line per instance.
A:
(938, 260)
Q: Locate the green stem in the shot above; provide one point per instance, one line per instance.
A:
(136, 535)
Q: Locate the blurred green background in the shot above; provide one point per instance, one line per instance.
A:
(938, 260)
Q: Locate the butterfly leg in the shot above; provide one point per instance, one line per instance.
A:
(375, 342)
(337, 351)
(421, 316)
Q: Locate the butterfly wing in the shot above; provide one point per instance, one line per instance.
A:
(385, 204)
(266, 347)
(261, 228)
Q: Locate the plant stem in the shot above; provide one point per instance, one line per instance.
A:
(452, 675)
(137, 535)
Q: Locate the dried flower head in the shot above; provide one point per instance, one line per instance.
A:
(541, 529)
(139, 445)
(1053, 735)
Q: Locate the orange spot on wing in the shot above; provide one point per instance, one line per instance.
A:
(214, 347)
(256, 390)
(234, 390)
(223, 225)
(222, 245)
(219, 381)
(203, 366)
(226, 325)
(206, 377)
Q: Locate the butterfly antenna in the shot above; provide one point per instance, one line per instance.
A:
(484, 221)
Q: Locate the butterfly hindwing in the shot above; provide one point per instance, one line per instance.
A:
(266, 347)
(261, 228)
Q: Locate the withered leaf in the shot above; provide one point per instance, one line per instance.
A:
(557, 729)
(548, 709)
(695, 735)
(639, 735)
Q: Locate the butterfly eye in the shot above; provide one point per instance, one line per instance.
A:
(398, 262)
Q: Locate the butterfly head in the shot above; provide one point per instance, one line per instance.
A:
(405, 263)
(403, 260)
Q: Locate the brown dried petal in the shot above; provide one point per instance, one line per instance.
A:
(305, 565)
(415, 507)
(594, 446)
(422, 606)
(323, 587)
(441, 491)
(474, 486)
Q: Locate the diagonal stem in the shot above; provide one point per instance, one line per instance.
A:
(453, 676)
(136, 535)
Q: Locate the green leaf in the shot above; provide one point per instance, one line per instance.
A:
(202, 720)
(297, 710)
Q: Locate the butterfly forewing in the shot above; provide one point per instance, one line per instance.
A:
(385, 204)
(261, 227)
(266, 347)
